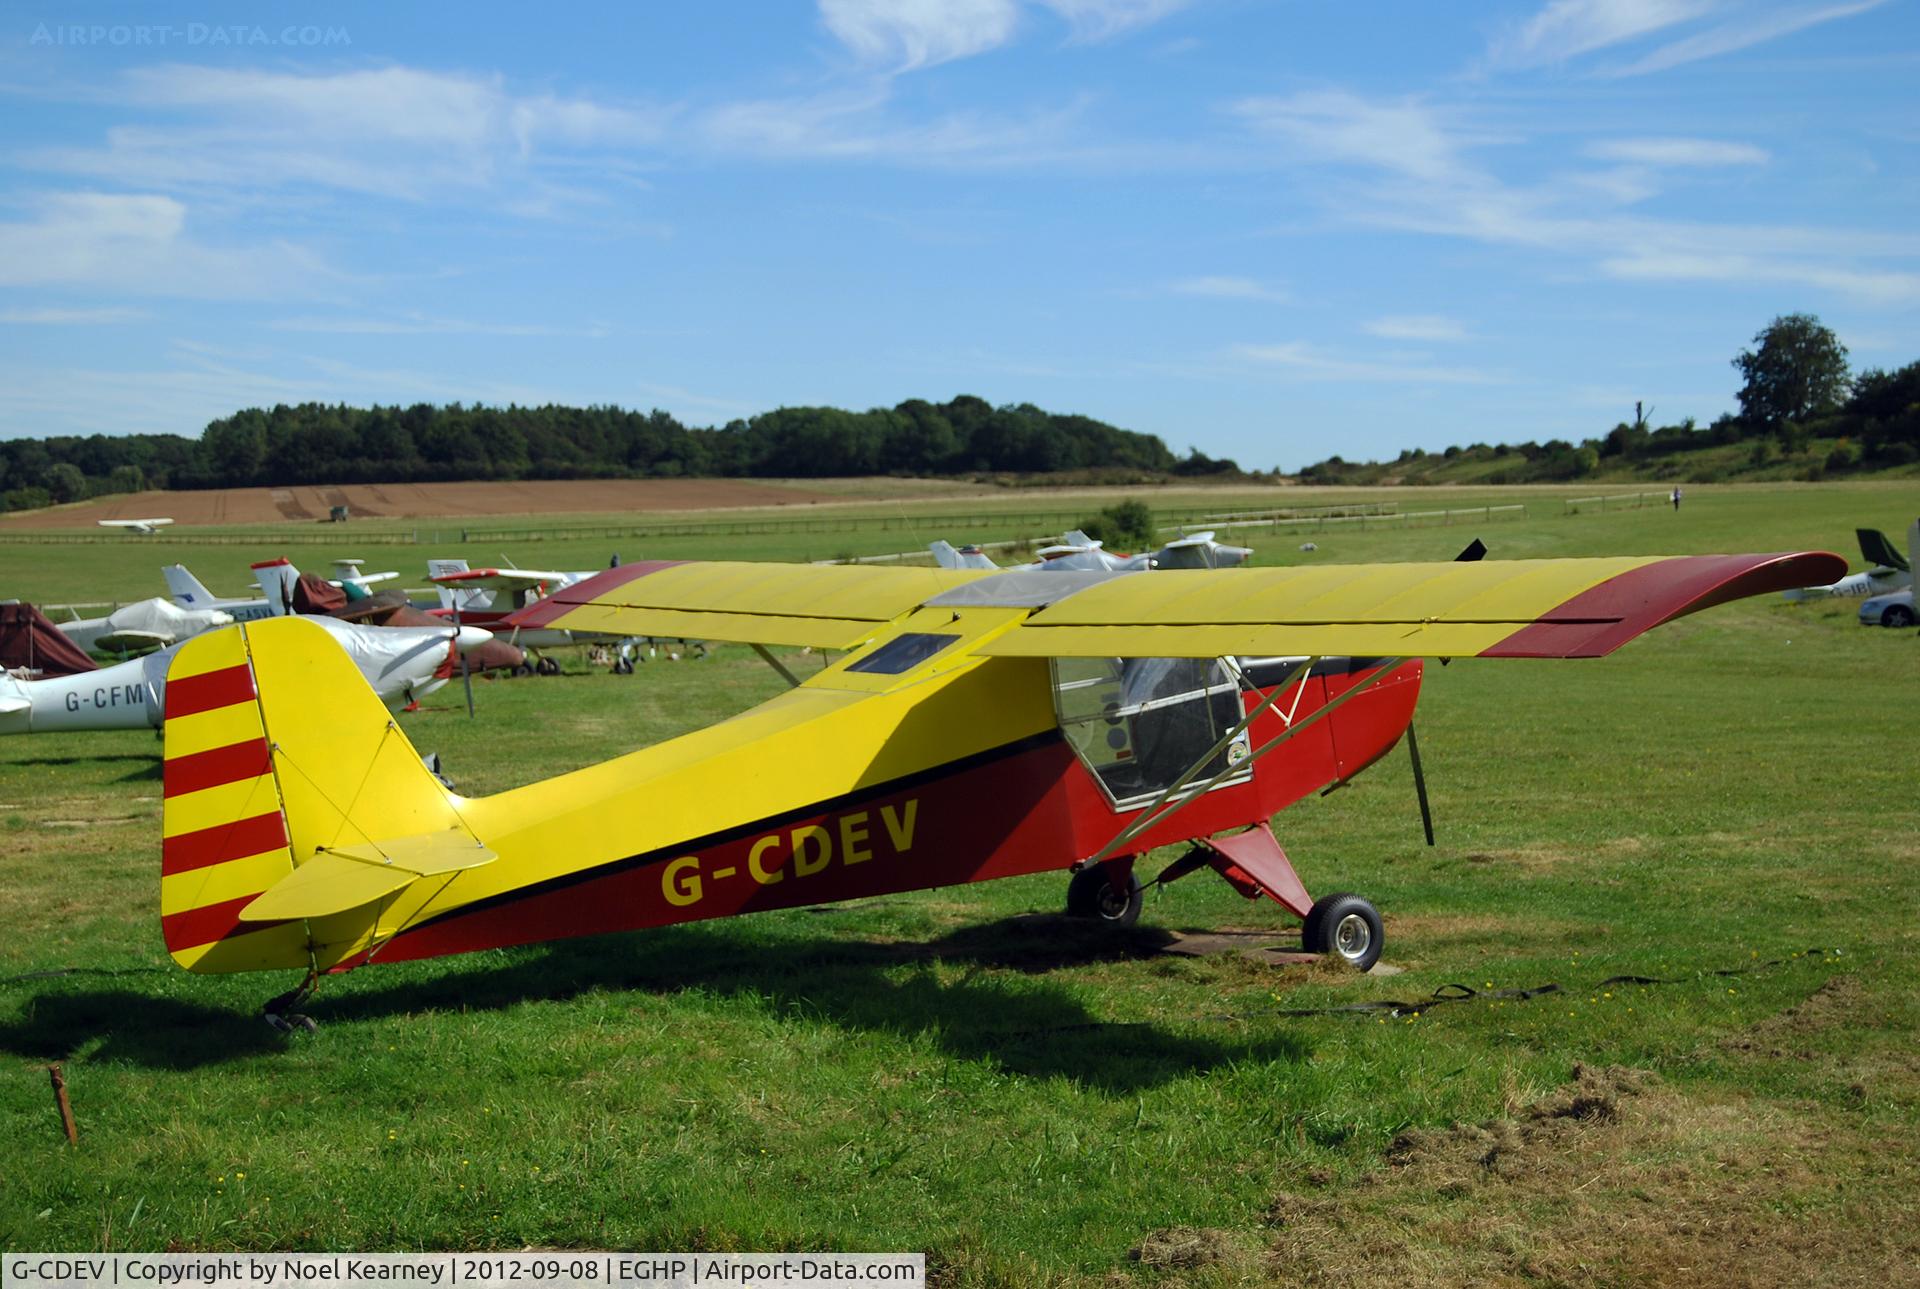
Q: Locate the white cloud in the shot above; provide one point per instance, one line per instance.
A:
(420, 324)
(1228, 288)
(856, 127)
(1404, 136)
(1708, 266)
(69, 317)
(902, 35)
(393, 132)
(1423, 177)
(1309, 362)
(1739, 34)
(1424, 326)
(905, 34)
(1678, 152)
(140, 243)
(1101, 19)
(1566, 29)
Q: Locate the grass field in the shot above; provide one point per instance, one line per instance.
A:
(1034, 1105)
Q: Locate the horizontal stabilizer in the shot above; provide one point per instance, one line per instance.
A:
(346, 877)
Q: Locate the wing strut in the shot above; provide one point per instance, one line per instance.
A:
(1173, 798)
(777, 665)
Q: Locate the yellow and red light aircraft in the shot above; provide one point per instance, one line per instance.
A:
(980, 724)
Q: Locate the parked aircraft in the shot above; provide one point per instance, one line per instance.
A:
(1887, 570)
(188, 591)
(979, 725)
(1078, 552)
(490, 597)
(143, 625)
(400, 664)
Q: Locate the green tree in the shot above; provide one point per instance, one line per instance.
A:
(1797, 370)
(64, 483)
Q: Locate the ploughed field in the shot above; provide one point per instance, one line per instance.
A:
(959, 1072)
(427, 501)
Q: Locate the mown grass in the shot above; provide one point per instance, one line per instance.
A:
(1031, 1104)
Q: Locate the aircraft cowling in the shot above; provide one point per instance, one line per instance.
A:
(494, 655)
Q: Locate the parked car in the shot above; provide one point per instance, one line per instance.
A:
(1894, 609)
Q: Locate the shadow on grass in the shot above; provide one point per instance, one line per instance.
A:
(122, 1025)
(150, 761)
(1001, 1008)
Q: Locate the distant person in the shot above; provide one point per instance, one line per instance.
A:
(1676, 499)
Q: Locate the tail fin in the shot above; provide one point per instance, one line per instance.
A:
(277, 578)
(306, 850)
(1878, 550)
(186, 589)
(449, 596)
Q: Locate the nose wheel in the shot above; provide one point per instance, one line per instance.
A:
(1344, 927)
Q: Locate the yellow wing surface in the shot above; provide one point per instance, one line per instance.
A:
(826, 606)
(1552, 608)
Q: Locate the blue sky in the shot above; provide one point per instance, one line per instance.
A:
(1275, 231)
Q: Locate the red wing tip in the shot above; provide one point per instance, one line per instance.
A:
(1604, 617)
(567, 598)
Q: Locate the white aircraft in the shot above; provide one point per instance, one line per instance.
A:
(148, 624)
(189, 593)
(1887, 570)
(1077, 551)
(144, 527)
(403, 664)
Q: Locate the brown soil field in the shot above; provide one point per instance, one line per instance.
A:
(430, 500)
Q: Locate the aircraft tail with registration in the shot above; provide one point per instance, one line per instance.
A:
(1104, 713)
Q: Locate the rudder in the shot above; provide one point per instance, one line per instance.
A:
(278, 755)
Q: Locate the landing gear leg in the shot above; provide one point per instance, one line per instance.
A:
(279, 1012)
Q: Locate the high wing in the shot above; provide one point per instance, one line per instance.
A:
(1548, 608)
(497, 579)
(825, 606)
(1557, 608)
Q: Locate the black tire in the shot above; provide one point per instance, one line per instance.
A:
(623, 667)
(523, 669)
(1896, 615)
(547, 667)
(1346, 927)
(1091, 895)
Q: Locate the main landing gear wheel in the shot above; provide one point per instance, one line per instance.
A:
(623, 667)
(1092, 895)
(1345, 927)
(547, 667)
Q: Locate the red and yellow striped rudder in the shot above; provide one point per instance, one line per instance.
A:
(224, 834)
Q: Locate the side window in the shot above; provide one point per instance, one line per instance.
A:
(1139, 723)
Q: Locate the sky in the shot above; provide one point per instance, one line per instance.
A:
(1274, 231)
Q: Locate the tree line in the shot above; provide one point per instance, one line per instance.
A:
(1800, 407)
(316, 443)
